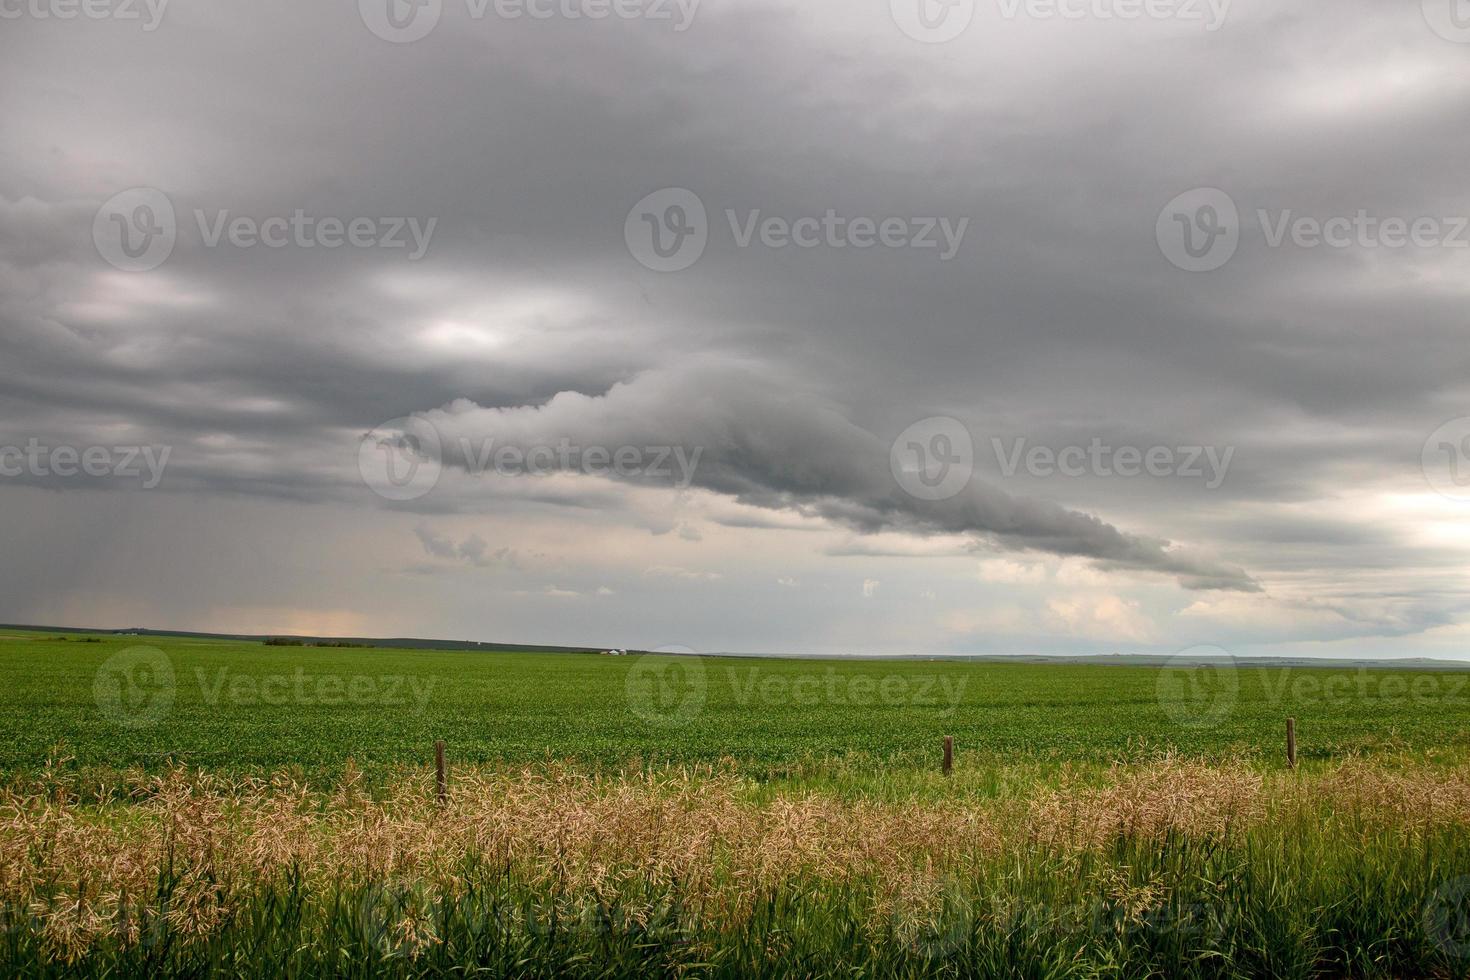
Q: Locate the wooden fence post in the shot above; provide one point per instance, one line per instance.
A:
(1291, 742)
(441, 778)
(948, 754)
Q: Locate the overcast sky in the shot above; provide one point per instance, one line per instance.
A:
(1004, 326)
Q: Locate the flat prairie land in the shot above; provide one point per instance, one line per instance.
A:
(150, 702)
(189, 807)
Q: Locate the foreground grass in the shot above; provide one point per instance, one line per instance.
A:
(1172, 868)
(631, 816)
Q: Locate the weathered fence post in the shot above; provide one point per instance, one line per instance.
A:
(441, 778)
(1291, 742)
(948, 754)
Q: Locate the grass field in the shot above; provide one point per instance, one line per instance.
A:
(190, 807)
(126, 701)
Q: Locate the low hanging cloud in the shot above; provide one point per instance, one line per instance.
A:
(736, 429)
(473, 550)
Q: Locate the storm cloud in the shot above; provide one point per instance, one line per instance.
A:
(1151, 257)
(762, 441)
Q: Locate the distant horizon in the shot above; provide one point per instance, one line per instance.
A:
(501, 645)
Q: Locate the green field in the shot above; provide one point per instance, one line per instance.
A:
(247, 707)
(198, 807)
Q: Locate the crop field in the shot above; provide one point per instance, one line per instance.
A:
(174, 806)
(150, 702)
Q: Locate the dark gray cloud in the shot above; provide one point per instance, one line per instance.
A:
(1058, 320)
(758, 438)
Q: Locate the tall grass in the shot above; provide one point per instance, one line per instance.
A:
(1170, 869)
